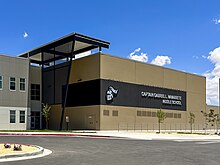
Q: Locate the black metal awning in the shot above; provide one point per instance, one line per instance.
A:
(62, 48)
(67, 47)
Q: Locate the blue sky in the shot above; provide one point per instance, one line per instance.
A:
(184, 32)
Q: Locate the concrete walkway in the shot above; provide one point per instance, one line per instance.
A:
(116, 134)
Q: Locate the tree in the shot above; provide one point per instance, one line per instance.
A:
(46, 113)
(191, 120)
(212, 118)
(161, 116)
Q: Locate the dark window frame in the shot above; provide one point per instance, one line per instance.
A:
(12, 84)
(12, 116)
(35, 92)
(22, 116)
(22, 85)
(1, 82)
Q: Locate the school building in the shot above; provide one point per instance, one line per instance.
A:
(97, 91)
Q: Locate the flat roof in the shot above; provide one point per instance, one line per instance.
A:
(64, 47)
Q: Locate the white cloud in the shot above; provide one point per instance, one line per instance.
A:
(25, 35)
(204, 57)
(135, 51)
(196, 57)
(214, 56)
(161, 60)
(216, 21)
(212, 78)
(141, 57)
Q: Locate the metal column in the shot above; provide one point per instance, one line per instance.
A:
(41, 86)
(67, 84)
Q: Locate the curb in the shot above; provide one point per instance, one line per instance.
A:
(34, 153)
(61, 135)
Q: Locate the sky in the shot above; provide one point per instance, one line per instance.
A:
(183, 35)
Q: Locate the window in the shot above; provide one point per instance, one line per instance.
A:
(149, 113)
(169, 115)
(106, 112)
(12, 84)
(138, 113)
(22, 84)
(154, 114)
(12, 116)
(144, 113)
(1, 82)
(35, 92)
(114, 113)
(175, 115)
(22, 116)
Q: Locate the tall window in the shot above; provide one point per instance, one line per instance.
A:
(22, 116)
(12, 116)
(1, 82)
(12, 84)
(35, 92)
(22, 84)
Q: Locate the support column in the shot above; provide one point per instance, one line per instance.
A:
(42, 87)
(67, 84)
(54, 80)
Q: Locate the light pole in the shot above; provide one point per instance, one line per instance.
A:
(218, 104)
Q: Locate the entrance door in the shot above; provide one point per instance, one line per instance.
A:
(91, 121)
(35, 120)
(32, 122)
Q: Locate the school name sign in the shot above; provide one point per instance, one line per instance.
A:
(166, 98)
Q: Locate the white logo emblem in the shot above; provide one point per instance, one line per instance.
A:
(111, 93)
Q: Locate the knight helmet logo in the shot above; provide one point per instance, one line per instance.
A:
(111, 93)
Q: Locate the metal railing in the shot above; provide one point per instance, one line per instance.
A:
(166, 127)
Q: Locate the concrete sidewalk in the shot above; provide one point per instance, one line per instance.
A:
(155, 136)
(116, 134)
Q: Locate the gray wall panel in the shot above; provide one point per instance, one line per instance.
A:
(18, 68)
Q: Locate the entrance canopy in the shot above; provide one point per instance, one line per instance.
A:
(65, 47)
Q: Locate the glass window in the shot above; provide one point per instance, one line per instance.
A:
(22, 84)
(12, 116)
(22, 116)
(35, 92)
(1, 82)
(12, 83)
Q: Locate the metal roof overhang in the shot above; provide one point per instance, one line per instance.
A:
(63, 48)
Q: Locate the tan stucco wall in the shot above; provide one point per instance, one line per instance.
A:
(127, 119)
(79, 117)
(125, 70)
(86, 68)
(55, 114)
(83, 69)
